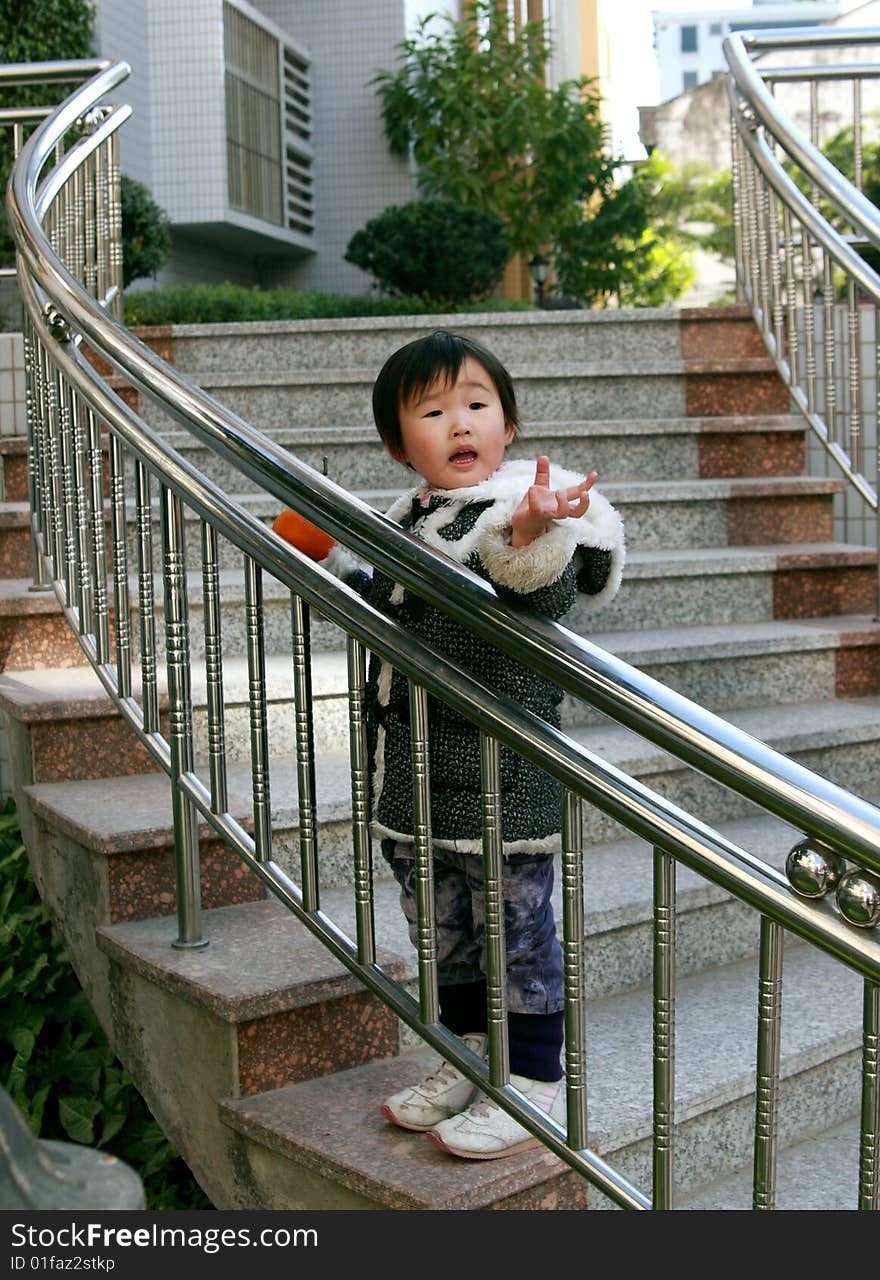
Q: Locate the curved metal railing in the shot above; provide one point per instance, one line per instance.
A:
(799, 225)
(71, 408)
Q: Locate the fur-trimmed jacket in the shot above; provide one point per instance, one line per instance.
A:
(472, 525)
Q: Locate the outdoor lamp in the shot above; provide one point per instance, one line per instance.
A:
(539, 269)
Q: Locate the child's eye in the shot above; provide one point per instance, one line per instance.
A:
(432, 413)
(476, 404)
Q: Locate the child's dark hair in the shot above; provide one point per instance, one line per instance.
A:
(414, 368)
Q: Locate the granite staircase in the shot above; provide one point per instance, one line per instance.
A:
(260, 1055)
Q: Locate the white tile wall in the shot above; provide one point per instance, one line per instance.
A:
(13, 420)
(176, 139)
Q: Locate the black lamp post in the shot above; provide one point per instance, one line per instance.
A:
(539, 269)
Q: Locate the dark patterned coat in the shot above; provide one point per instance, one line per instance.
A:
(472, 525)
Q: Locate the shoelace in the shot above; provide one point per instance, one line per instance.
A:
(445, 1074)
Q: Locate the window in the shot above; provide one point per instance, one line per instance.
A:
(715, 28)
(689, 39)
(689, 81)
(253, 117)
(268, 125)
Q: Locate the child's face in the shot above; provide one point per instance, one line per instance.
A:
(455, 434)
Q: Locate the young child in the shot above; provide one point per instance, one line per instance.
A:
(446, 407)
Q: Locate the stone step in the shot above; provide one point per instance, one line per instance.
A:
(818, 1173)
(13, 468)
(263, 1004)
(33, 630)
(667, 387)
(662, 448)
(512, 336)
(657, 515)
(332, 1127)
(745, 665)
(117, 834)
(837, 739)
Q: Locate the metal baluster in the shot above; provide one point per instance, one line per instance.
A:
(664, 1027)
(146, 601)
(84, 593)
(214, 669)
(114, 218)
(360, 802)
(90, 260)
(102, 223)
(574, 969)
(77, 205)
(305, 750)
(814, 133)
(68, 491)
(739, 251)
(34, 411)
(180, 730)
(101, 625)
(790, 297)
(54, 548)
(776, 276)
(869, 1148)
(854, 366)
(496, 951)
(763, 218)
(257, 709)
(829, 347)
(122, 619)
(809, 323)
(426, 935)
(767, 1084)
(753, 235)
(858, 156)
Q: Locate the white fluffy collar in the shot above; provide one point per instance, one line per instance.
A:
(509, 482)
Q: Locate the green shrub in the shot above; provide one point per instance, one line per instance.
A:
(219, 303)
(146, 235)
(433, 249)
(55, 1060)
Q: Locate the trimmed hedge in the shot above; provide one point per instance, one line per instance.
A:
(222, 303)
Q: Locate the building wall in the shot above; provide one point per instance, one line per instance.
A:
(711, 26)
(356, 177)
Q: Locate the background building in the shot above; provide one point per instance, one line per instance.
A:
(258, 131)
(688, 44)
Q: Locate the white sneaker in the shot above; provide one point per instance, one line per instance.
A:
(485, 1131)
(440, 1095)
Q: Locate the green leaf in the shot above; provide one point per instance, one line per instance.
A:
(77, 1116)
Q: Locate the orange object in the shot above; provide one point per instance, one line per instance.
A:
(302, 534)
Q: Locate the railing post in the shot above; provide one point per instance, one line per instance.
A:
(767, 1085)
(186, 839)
(664, 1027)
(869, 1151)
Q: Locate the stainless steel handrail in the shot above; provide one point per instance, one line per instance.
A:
(705, 741)
(815, 301)
(690, 732)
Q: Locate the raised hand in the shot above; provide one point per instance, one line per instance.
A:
(542, 505)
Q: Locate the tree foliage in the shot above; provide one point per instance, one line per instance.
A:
(471, 105)
(146, 235)
(436, 249)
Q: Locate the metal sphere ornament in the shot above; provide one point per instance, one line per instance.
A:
(814, 869)
(858, 897)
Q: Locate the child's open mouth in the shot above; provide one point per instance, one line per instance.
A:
(463, 457)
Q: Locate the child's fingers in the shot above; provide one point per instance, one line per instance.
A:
(542, 472)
